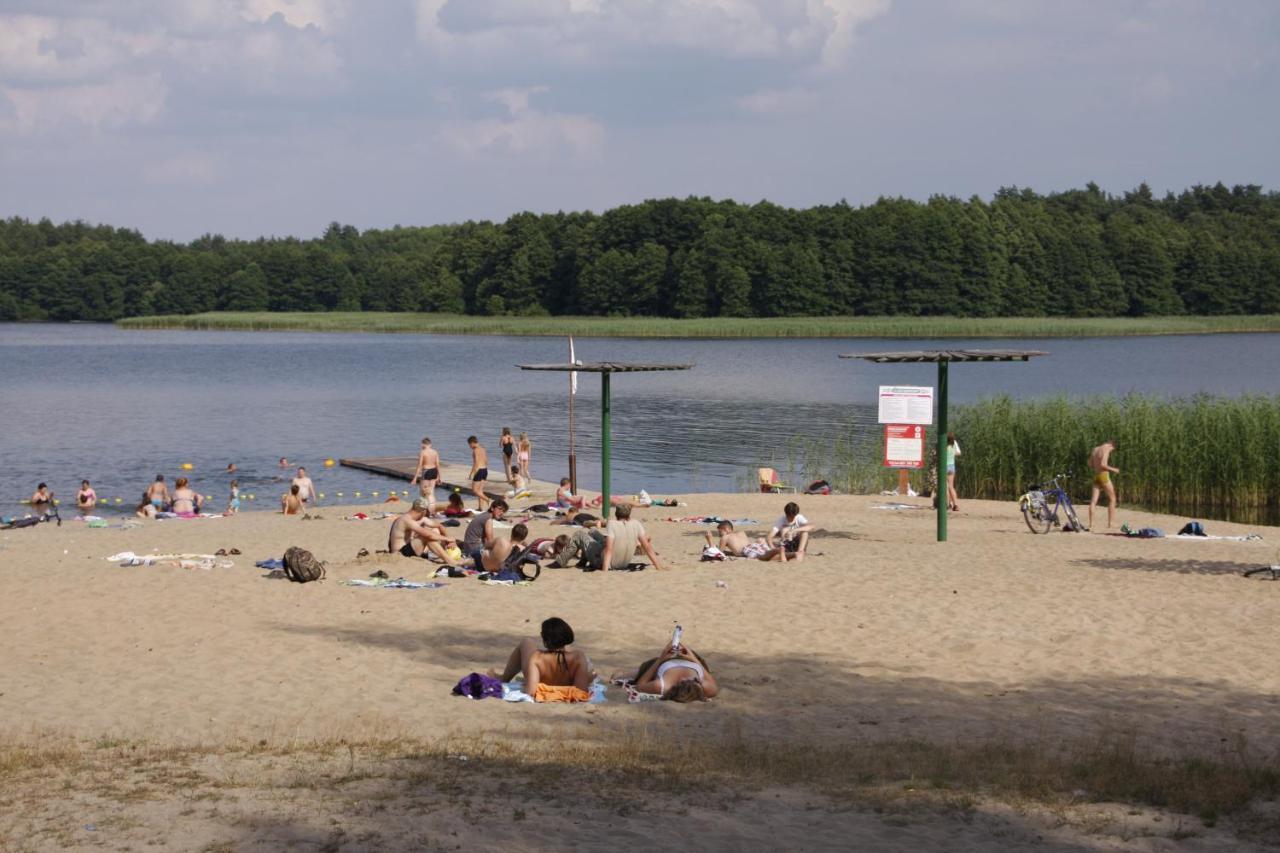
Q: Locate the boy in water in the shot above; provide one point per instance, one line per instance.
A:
(1100, 464)
(479, 471)
(427, 474)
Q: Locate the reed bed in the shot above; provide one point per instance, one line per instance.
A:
(1185, 455)
(712, 327)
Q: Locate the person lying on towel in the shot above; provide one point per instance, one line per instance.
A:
(552, 672)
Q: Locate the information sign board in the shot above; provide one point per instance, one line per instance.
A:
(906, 404)
(903, 446)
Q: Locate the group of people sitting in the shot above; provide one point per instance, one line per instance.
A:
(611, 545)
(677, 673)
(786, 540)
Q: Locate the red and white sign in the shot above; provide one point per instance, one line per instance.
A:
(903, 446)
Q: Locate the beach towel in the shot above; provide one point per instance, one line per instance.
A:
(275, 564)
(513, 691)
(393, 583)
(557, 693)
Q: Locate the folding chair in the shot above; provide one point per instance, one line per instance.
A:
(770, 484)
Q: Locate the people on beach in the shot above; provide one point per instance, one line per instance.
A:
(524, 453)
(86, 498)
(233, 502)
(677, 674)
(454, 508)
(953, 450)
(145, 508)
(427, 474)
(508, 446)
(791, 532)
(518, 485)
(479, 471)
(611, 547)
(1100, 464)
(186, 500)
(306, 489)
(479, 534)
(503, 552)
(566, 498)
(41, 498)
(158, 494)
(738, 544)
(549, 660)
(413, 533)
(291, 502)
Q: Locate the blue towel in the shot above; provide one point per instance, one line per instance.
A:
(274, 564)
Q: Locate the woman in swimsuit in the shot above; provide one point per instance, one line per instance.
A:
(508, 445)
(677, 675)
(549, 662)
(86, 498)
(186, 501)
(525, 452)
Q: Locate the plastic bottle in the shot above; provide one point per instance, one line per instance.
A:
(675, 638)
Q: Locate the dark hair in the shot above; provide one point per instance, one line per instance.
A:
(235, 484)
(301, 470)
(506, 430)
(791, 510)
(455, 497)
(159, 478)
(951, 438)
(293, 490)
(498, 503)
(519, 532)
(622, 512)
(426, 440)
(725, 524)
(560, 541)
(515, 469)
(556, 633)
(472, 438)
(564, 481)
(689, 690)
(84, 482)
(180, 483)
(41, 486)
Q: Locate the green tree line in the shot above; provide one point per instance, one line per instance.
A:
(1079, 253)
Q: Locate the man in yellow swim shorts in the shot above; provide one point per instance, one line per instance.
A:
(1100, 464)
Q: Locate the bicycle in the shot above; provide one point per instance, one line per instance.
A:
(1041, 504)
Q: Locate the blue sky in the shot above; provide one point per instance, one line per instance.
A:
(274, 117)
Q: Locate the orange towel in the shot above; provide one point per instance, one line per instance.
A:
(568, 693)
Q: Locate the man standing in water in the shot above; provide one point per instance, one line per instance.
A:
(1100, 464)
(306, 488)
(479, 471)
(427, 474)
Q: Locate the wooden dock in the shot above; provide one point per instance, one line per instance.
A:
(451, 476)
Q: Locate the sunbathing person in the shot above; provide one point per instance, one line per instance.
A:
(145, 509)
(455, 509)
(186, 500)
(497, 554)
(412, 534)
(678, 675)
(549, 662)
(740, 545)
(566, 498)
(291, 504)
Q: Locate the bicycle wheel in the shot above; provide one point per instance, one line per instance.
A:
(1070, 511)
(1036, 514)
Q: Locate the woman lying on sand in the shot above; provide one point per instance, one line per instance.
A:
(549, 662)
(678, 675)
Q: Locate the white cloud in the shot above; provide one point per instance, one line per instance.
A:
(190, 168)
(774, 102)
(121, 101)
(525, 130)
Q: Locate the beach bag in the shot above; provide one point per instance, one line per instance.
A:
(1192, 528)
(712, 554)
(478, 686)
(301, 566)
(1151, 533)
(818, 487)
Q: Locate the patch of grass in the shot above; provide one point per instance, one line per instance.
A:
(714, 327)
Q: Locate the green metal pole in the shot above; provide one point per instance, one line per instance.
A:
(604, 444)
(942, 452)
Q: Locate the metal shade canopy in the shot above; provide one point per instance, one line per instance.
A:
(943, 358)
(605, 369)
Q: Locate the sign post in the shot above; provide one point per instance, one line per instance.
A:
(905, 410)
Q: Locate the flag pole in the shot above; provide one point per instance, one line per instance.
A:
(573, 459)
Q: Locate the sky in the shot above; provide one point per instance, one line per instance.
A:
(256, 118)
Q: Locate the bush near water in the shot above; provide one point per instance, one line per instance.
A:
(1209, 250)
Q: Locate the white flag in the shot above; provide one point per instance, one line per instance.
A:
(573, 374)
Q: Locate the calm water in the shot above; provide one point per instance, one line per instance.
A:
(119, 406)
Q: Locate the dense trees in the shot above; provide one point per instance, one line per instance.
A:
(1209, 250)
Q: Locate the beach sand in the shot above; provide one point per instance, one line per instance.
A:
(880, 635)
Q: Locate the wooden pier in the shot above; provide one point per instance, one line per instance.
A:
(451, 476)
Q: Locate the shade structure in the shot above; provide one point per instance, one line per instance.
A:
(606, 369)
(943, 358)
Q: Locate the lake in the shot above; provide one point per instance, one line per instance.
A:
(118, 407)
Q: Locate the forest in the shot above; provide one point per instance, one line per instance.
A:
(1210, 250)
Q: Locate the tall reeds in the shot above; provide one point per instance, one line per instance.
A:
(711, 327)
(1185, 455)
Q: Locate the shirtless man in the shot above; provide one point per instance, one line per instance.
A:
(494, 557)
(291, 504)
(1100, 464)
(412, 533)
(306, 488)
(479, 471)
(740, 545)
(427, 474)
(158, 493)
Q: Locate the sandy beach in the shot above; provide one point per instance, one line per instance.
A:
(881, 636)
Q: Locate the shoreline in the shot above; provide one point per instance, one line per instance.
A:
(897, 327)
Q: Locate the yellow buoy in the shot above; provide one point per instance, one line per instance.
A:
(322, 494)
(187, 466)
(357, 494)
(119, 500)
(56, 501)
(375, 494)
(251, 497)
(329, 463)
(339, 494)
